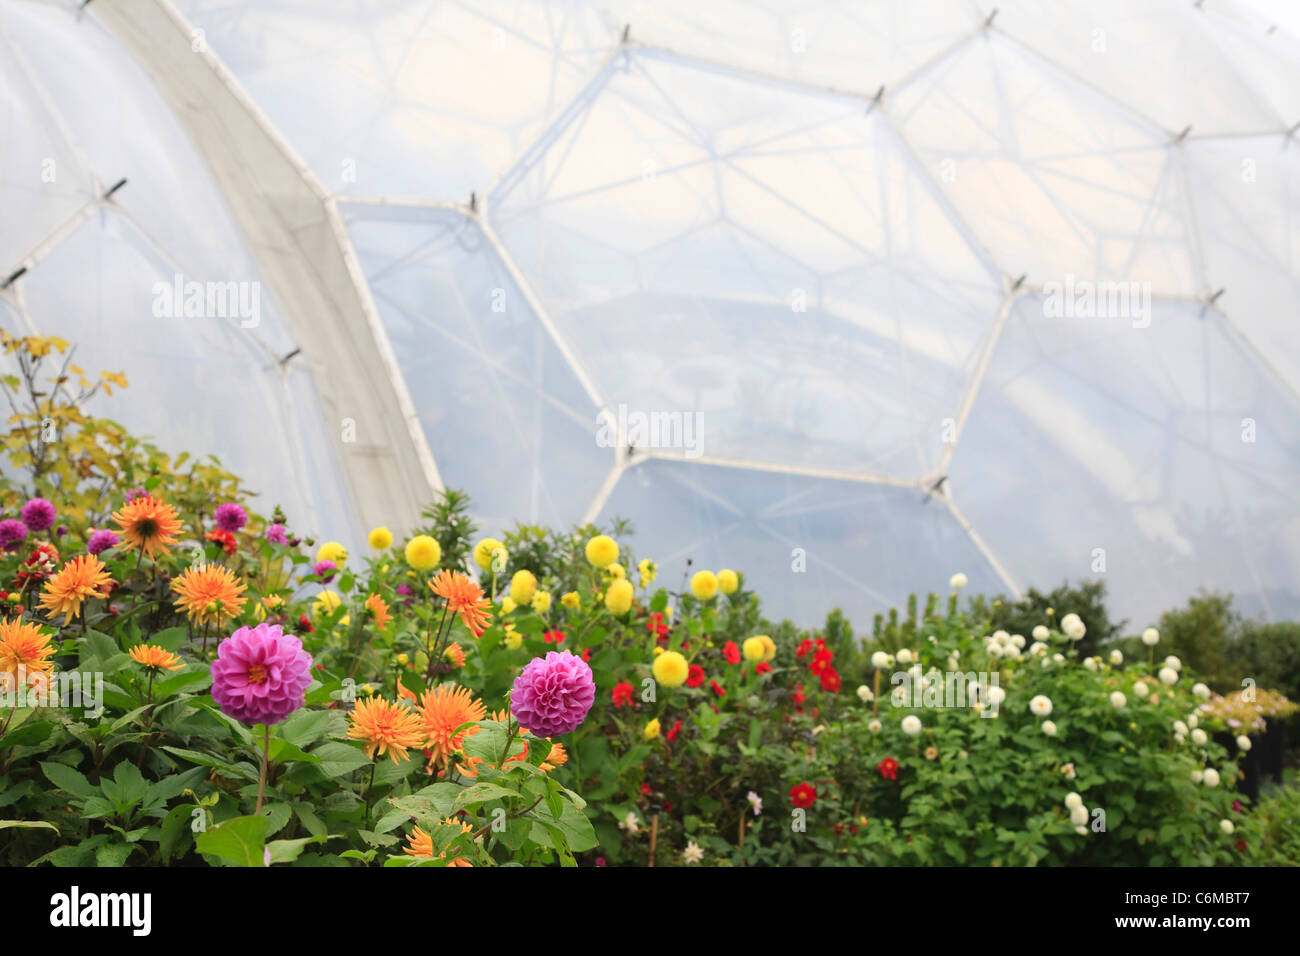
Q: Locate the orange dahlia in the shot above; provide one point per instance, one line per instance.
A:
(376, 606)
(148, 524)
(81, 578)
(454, 655)
(421, 843)
(26, 645)
(385, 727)
(155, 658)
(209, 593)
(463, 597)
(443, 709)
(556, 758)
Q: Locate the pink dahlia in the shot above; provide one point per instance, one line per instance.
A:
(277, 534)
(230, 517)
(12, 532)
(38, 515)
(553, 694)
(101, 541)
(260, 675)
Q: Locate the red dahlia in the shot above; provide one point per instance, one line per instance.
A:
(622, 695)
(803, 795)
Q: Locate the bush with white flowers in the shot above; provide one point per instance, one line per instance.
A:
(1009, 773)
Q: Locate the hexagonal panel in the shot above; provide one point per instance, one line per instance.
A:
(767, 258)
(1054, 179)
(504, 415)
(406, 97)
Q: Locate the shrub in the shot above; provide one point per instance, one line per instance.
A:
(1278, 829)
(1088, 600)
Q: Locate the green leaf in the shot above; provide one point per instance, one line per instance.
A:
(113, 854)
(28, 734)
(127, 787)
(391, 820)
(286, 851)
(170, 639)
(307, 726)
(243, 769)
(28, 824)
(338, 759)
(65, 778)
(479, 793)
(277, 815)
(174, 826)
(284, 752)
(196, 679)
(315, 826)
(173, 785)
(239, 841)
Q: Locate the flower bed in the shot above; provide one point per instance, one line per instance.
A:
(193, 682)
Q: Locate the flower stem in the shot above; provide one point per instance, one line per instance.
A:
(510, 738)
(369, 786)
(261, 782)
(138, 558)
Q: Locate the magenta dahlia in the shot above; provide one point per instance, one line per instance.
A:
(277, 534)
(101, 541)
(260, 675)
(38, 514)
(12, 531)
(230, 517)
(553, 694)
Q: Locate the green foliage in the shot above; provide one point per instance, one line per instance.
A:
(1277, 820)
(149, 771)
(84, 463)
(450, 524)
(1269, 653)
(1088, 600)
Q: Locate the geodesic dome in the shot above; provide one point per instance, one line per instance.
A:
(78, 116)
(910, 288)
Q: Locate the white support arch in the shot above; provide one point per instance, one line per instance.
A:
(296, 235)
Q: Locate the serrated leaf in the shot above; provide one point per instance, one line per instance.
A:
(72, 781)
(239, 841)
